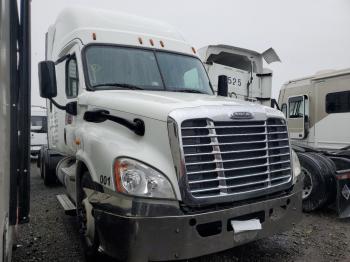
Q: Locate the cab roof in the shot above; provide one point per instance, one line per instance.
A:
(82, 24)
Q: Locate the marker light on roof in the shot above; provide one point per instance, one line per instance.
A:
(161, 43)
(94, 36)
(151, 42)
(194, 50)
(140, 40)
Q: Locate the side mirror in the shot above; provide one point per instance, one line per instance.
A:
(223, 86)
(47, 79)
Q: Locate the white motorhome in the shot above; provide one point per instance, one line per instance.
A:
(247, 78)
(317, 109)
(14, 122)
(38, 130)
(156, 166)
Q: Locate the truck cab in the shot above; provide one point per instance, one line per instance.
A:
(151, 158)
(247, 78)
(38, 130)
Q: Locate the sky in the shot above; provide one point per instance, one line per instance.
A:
(308, 35)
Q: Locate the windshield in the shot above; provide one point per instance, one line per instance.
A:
(113, 67)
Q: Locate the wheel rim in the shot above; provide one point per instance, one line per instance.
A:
(307, 188)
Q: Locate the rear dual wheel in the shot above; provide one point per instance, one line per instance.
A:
(319, 184)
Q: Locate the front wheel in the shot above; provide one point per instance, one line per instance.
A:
(48, 174)
(86, 220)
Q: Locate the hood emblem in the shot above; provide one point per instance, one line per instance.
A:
(241, 115)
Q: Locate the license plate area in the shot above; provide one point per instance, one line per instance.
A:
(245, 226)
(260, 215)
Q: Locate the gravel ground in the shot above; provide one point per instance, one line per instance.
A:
(53, 236)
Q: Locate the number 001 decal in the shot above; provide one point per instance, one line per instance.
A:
(104, 180)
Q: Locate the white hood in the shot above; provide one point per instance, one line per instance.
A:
(157, 104)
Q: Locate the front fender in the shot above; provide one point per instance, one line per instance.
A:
(101, 143)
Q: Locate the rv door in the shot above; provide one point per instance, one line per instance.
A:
(297, 117)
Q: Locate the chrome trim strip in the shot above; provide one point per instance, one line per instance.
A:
(244, 192)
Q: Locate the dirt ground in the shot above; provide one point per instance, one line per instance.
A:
(53, 236)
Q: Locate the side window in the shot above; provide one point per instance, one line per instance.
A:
(72, 78)
(296, 107)
(338, 102)
(284, 109)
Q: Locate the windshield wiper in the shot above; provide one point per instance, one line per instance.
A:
(123, 85)
(185, 90)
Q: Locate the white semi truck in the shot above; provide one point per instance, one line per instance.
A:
(14, 121)
(247, 78)
(156, 166)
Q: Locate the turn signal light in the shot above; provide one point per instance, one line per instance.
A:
(118, 168)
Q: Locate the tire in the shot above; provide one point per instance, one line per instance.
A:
(329, 171)
(48, 174)
(40, 161)
(315, 194)
(88, 233)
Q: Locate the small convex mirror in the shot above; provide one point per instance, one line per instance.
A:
(47, 79)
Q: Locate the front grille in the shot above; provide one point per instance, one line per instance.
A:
(235, 157)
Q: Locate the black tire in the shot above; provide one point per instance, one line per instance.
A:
(313, 169)
(328, 173)
(48, 174)
(90, 246)
(40, 161)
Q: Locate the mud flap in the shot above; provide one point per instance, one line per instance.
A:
(343, 193)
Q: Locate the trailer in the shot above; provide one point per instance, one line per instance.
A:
(143, 145)
(317, 109)
(14, 121)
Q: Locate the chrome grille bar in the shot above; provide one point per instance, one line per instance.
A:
(222, 144)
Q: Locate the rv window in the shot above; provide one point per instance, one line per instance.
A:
(284, 109)
(338, 102)
(72, 79)
(296, 107)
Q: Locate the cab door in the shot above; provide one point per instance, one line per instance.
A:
(297, 117)
(72, 89)
(62, 124)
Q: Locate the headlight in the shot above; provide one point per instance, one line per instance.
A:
(296, 166)
(135, 178)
